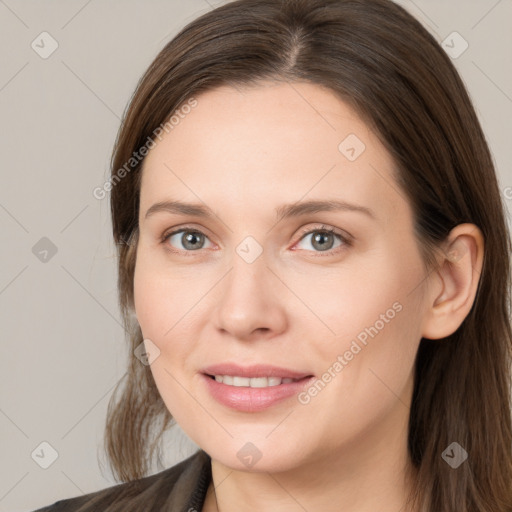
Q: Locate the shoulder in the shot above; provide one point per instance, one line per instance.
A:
(180, 487)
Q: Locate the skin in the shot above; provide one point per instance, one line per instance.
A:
(244, 152)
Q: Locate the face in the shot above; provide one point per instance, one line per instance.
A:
(251, 288)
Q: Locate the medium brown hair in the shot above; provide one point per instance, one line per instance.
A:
(383, 63)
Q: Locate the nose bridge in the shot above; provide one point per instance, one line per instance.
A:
(249, 298)
(248, 276)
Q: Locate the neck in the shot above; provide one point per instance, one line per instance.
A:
(372, 472)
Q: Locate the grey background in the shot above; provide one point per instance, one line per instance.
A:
(63, 348)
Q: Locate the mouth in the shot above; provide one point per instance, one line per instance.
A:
(252, 382)
(253, 388)
(256, 375)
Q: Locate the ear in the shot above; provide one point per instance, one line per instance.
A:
(454, 282)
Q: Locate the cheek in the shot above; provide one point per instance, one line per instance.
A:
(364, 377)
(171, 311)
(371, 297)
(163, 297)
(374, 316)
(160, 303)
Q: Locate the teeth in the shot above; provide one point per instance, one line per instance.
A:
(241, 381)
(257, 382)
(254, 382)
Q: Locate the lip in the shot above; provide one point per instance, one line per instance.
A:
(257, 370)
(247, 399)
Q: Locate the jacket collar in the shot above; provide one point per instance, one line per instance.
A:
(189, 491)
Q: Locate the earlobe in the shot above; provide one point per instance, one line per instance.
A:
(457, 277)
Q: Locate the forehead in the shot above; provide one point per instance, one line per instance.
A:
(275, 142)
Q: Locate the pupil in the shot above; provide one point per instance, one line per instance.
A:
(190, 239)
(321, 237)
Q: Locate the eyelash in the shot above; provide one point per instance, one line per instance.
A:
(346, 241)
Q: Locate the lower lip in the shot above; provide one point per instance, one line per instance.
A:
(249, 399)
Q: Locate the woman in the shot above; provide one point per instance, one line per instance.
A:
(314, 271)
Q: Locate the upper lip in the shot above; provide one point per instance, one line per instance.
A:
(257, 370)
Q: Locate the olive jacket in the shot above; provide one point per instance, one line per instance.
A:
(181, 488)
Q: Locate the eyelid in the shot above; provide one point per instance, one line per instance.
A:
(173, 231)
(345, 238)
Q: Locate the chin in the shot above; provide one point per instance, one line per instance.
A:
(256, 456)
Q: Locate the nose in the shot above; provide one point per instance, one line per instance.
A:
(251, 301)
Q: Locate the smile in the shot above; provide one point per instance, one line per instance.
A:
(254, 382)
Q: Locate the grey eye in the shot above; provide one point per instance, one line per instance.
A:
(191, 240)
(322, 240)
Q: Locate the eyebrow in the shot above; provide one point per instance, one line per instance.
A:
(282, 212)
